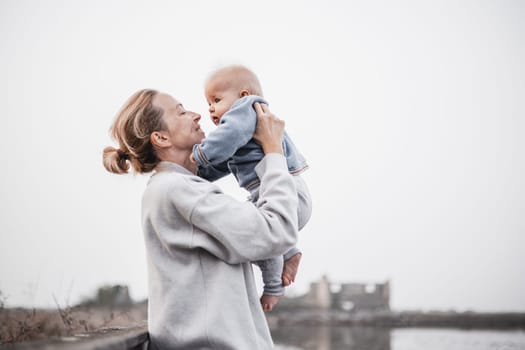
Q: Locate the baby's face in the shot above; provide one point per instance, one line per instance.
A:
(220, 99)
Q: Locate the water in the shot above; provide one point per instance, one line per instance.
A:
(369, 338)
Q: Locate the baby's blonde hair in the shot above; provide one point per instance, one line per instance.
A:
(239, 77)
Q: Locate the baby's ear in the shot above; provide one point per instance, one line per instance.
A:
(244, 93)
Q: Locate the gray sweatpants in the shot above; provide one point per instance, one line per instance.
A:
(272, 268)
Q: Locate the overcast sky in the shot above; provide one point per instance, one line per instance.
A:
(411, 115)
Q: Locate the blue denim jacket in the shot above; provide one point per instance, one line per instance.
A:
(231, 149)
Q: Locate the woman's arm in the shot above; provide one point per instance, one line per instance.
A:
(240, 231)
(236, 231)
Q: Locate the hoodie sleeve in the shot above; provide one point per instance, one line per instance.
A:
(237, 231)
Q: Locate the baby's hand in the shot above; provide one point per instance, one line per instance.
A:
(192, 159)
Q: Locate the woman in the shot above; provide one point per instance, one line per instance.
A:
(200, 241)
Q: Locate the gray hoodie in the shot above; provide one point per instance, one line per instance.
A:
(199, 244)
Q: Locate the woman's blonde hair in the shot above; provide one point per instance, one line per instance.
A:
(132, 128)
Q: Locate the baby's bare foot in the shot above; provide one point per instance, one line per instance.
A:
(290, 269)
(269, 301)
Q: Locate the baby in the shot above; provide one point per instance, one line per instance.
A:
(231, 93)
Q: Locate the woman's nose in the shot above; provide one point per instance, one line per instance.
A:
(196, 117)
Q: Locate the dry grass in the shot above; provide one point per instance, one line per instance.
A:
(19, 325)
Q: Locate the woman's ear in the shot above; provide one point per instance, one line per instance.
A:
(160, 140)
(244, 93)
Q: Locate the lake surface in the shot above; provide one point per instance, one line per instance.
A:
(370, 338)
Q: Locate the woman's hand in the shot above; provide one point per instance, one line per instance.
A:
(269, 131)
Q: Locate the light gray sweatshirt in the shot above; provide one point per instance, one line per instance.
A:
(199, 244)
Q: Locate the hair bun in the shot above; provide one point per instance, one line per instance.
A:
(123, 155)
(115, 160)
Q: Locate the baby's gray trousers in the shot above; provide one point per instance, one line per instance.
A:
(272, 268)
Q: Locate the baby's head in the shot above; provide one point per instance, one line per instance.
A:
(224, 86)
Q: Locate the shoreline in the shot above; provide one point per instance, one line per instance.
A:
(399, 319)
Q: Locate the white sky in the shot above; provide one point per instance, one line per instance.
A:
(410, 113)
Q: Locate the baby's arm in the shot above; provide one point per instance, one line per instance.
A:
(234, 131)
(213, 172)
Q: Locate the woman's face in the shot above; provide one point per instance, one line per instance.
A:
(183, 126)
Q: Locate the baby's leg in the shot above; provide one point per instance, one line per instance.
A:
(292, 257)
(271, 270)
(304, 207)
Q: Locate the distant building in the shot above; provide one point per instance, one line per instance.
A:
(351, 297)
(110, 296)
(362, 297)
(116, 295)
